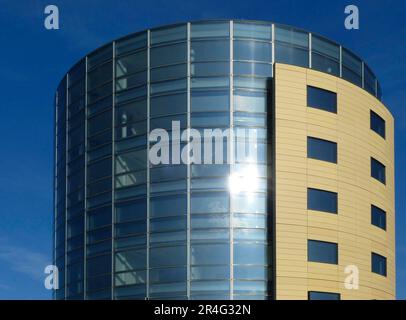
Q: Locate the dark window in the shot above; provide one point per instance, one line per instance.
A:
(378, 264)
(378, 171)
(321, 251)
(321, 99)
(378, 217)
(321, 149)
(316, 295)
(321, 200)
(377, 124)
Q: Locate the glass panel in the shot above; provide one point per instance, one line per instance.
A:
(131, 161)
(324, 64)
(210, 272)
(206, 30)
(134, 210)
(250, 203)
(351, 61)
(216, 202)
(125, 229)
(130, 64)
(99, 76)
(250, 272)
(99, 169)
(321, 149)
(378, 217)
(291, 55)
(99, 123)
(325, 47)
(207, 69)
(168, 172)
(369, 80)
(130, 94)
(251, 83)
(168, 237)
(169, 72)
(212, 82)
(253, 69)
(168, 224)
(320, 251)
(250, 253)
(132, 130)
(250, 101)
(321, 99)
(130, 278)
(249, 119)
(220, 170)
(99, 218)
(210, 120)
(130, 260)
(202, 101)
(252, 50)
(203, 221)
(314, 295)
(321, 200)
(168, 104)
(378, 124)
(210, 254)
(172, 54)
(98, 265)
(167, 256)
(292, 36)
(100, 92)
(132, 43)
(168, 206)
(101, 55)
(378, 264)
(249, 221)
(210, 50)
(378, 171)
(167, 275)
(131, 179)
(251, 30)
(131, 112)
(131, 81)
(174, 85)
(168, 34)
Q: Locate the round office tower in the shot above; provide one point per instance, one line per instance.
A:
(311, 216)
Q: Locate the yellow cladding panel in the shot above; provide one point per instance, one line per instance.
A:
(351, 228)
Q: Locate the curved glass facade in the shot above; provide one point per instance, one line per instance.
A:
(127, 229)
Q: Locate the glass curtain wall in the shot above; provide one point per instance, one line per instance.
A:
(126, 229)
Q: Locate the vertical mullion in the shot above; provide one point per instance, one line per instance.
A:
(273, 42)
(113, 160)
(310, 51)
(148, 164)
(341, 61)
(231, 160)
(55, 183)
(66, 183)
(188, 213)
(85, 190)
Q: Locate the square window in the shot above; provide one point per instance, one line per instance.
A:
(321, 251)
(321, 99)
(321, 149)
(378, 264)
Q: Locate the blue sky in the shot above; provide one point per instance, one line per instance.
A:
(33, 60)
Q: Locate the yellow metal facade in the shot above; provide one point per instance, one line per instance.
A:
(351, 178)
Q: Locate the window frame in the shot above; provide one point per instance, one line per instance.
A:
(384, 259)
(373, 115)
(319, 107)
(335, 261)
(320, 141)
